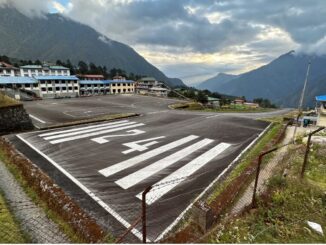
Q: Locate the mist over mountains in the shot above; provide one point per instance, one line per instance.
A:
(280, 81)
(56, 37)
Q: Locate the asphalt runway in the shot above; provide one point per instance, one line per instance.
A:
(106, 166)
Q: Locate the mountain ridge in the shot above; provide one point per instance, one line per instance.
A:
(55, 37)
(280, 81)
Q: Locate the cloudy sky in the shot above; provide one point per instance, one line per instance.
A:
(196, 39)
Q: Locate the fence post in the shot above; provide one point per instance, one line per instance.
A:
(260, 159)
(144, 212)
(307, 151)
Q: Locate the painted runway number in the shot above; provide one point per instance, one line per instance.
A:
(179, 175)
(102, 134)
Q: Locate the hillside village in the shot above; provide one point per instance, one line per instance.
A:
(53, 81)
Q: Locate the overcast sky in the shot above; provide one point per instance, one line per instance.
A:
(196, 39)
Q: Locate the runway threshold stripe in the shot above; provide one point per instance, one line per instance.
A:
(88, 130)
(95, 133)
(138, 176)
(91, 194)
(145, 156)
(81, 128)
(182, 173)
(37, 119)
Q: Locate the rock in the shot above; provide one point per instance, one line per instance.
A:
(316, 227)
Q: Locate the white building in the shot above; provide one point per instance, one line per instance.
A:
(43, 70)
(7, 69)
(58, 86)
(103, 87)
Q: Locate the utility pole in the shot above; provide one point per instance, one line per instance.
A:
(301, 101)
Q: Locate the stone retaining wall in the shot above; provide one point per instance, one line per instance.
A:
(14, 118)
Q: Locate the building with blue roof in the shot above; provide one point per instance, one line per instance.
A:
(52, 86)
(321, 100)
(58, 86)
(102, 87)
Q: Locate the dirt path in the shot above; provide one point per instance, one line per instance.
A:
(33, 220)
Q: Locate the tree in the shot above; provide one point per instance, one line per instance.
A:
(201, 97)
(82, 67)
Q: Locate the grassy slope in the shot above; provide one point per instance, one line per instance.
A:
(64, 226)
(9, 231)
(282, 213)
(6, 101)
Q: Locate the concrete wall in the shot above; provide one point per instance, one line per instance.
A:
(14, 118)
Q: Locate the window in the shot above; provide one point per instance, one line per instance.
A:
(119, 90)
(89, 85)
(27, 85)
(49, 89)
(70, 88)
(113, 84)
(57, 89)
(76, 88)
(43, 89)
(42, 82)
(124, 84)
(113, 91)
(57, 82)
(124, 90)
(64, 88)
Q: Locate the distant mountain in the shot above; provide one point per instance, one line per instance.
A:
(281, 81)
(56, 37)
(218, 80)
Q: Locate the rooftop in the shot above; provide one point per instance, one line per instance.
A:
(45, 66)
(56, 77)
(17, 80)
(104, 81)
(6, 65)
(147, 79)
(321, 98)
(90, 75)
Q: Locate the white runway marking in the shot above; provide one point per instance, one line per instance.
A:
(138, 176)
(124, 222)
(82, 128)
(182, 173)
(95, 133)
(37, 119)
(103, 139)
(145, 156)
(213, 116)
(87, 131)
(135, 146)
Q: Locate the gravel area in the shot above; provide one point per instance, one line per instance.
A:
(32, 218)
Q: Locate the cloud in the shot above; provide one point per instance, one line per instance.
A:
(31, 8)
(184, 37)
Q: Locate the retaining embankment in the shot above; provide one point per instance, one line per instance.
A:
(14, 118)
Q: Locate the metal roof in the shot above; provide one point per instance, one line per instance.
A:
(56, 78)
(321, 98)
(31, 67)
(147, 79)
(104, 81)
(17, 80)
(86, 82)
(59, 68)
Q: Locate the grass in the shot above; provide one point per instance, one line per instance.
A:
(10, 231)
(283, 212)
(225, 109)
(63, 225)
(7, 101)
(246, 160)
